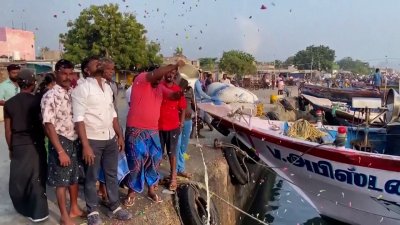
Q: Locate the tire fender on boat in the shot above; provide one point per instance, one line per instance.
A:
(248, 149)
(237, 167)
(193, 206)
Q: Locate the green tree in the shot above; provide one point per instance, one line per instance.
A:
(104, 31)
(208, 63)
(318, 57)
(42, 51)
(238, 62)
(289, 61)
(278, 63)
(178, 51)
(355, 66)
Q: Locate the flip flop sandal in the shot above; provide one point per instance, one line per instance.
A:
(156, 200)
(130, 201)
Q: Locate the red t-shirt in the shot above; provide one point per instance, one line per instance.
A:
(145, 104)
(169, 116)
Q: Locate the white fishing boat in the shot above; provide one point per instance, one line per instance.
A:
(345, 111)
(340, 182)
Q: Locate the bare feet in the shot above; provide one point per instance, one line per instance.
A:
(75, 211)
(66, 220)
(173, 184)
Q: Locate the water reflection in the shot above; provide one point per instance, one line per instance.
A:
(277, 203)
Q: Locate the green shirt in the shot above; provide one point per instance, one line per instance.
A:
(8, 90)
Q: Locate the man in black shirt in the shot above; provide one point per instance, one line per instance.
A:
(25, 139)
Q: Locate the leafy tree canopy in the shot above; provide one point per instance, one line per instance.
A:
(178, 51)
(208, 63)
(289, 61)
(320, 57)
(278, 63)
(238, 62)
(104, 31)
(355, 66)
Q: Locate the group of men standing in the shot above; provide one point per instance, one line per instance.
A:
(82, 123)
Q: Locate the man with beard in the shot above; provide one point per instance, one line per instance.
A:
(9, 87)
(143, 148)
(109, 70)
(102, 139)
(25, 139)
(172, 118)
(63, 146)
(88, 66)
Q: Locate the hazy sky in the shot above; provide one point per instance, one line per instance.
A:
(363, 29)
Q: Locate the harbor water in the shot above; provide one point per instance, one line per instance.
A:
(277, 203)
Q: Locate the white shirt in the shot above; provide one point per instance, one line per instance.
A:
(81, 80)
(225, 81)
(95, 108)
(128, 94)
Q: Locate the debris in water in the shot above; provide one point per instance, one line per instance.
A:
(263, 7)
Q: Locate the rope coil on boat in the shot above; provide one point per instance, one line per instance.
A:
(302, 129)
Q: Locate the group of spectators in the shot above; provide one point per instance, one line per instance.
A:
(81, 124)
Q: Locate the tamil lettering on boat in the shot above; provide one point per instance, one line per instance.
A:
(349, 176)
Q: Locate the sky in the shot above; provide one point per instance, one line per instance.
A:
(361, 29)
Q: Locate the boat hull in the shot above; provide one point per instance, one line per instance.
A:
(336, 199)
(346, 185)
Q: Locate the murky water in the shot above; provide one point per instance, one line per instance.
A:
(277, 203)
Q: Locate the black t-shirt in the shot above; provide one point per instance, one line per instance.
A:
(26, 125)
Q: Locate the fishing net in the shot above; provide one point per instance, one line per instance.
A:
(304, 130)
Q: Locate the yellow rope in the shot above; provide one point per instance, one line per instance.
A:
(302, 129)
(260, 110)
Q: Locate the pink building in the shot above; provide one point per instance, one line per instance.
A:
(18, 44)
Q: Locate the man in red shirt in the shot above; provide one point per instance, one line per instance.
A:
(172, 118)
(143, 148)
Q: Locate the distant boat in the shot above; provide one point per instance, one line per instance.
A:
(338, 94)
(344, 111)
(356, 187)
